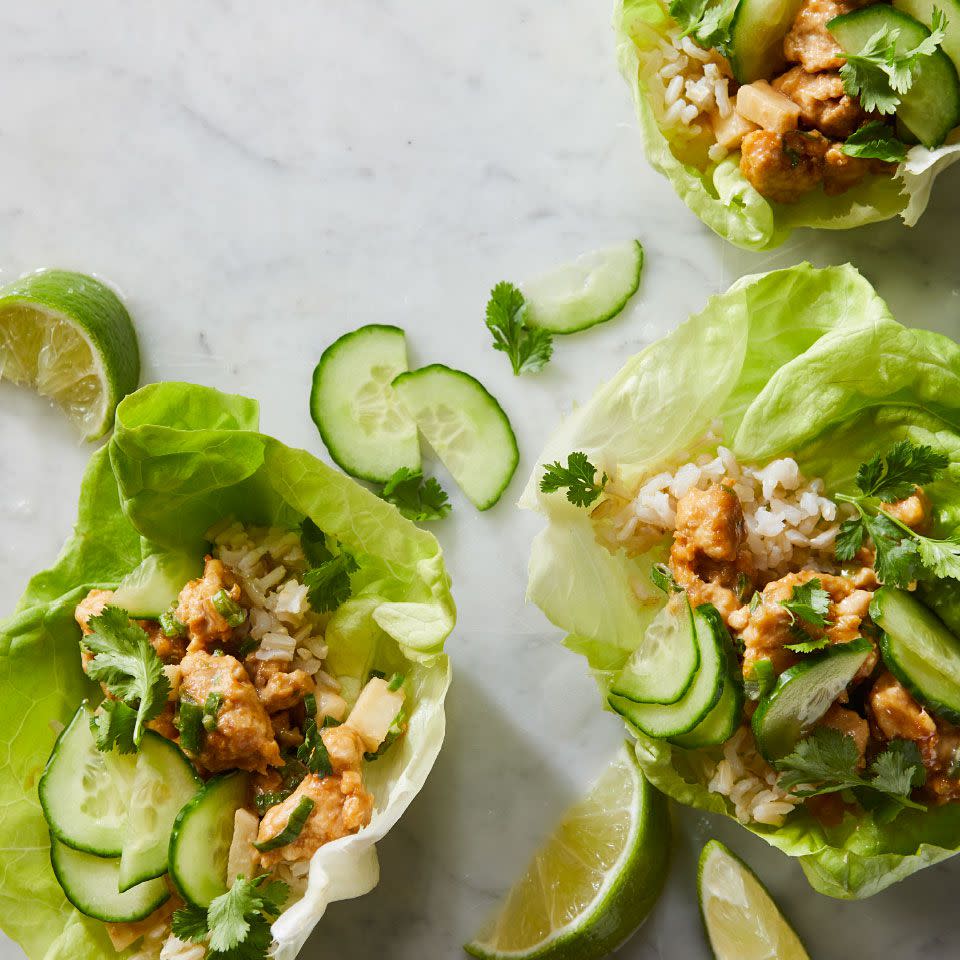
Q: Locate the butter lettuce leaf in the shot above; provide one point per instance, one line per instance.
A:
(803, 362)
(181, 457)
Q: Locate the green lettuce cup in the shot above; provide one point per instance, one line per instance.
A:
(806, 363)
(716, 190)
(183, 457)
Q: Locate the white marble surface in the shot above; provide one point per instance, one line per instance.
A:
(258, 179)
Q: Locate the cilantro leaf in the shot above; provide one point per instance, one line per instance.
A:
(849, 539)
(898, 769)
(313, 542)
(417, 499)
(126, 664)
(254, 946)
(579, 476)
(809, 645)
(190, 924)
(893, 475)
(940, 557)
(875, 141)
(897, 557)
(810, 602)
(329, 583)
(529, 348)
(708, 21)
(113, 725)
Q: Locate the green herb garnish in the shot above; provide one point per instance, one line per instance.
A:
(662, 577)
(875, 141)
(328, 583)
(113, 725)
(292, 830)
(396, 682)
(171, 626)
(529, 348)
(579, 477)
(760, 681)
(190, 724)
(211, 707)
(416, 498)
(228, 608)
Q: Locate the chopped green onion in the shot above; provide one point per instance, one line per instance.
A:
(247, 647)
(210, 709)
(190, 722)
(171, 626)
(755, 601)
(662, 577)
(397, 727)
(760, 681)
(264, 801)
(228, 608)
(743, 585)
(329, 721)
(292, 830)
(396, 682)
(310, 706)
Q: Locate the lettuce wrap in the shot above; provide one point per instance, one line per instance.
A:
(721, 196)
(806, 362)
(183, 456)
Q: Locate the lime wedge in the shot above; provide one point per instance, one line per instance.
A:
(594, 881)
(69, 337)
(742, 920)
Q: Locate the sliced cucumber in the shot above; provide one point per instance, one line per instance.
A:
(919, 650)
(803, 694)
(353, 405)
(943, 598)
(756, 37)
(165, 780)
(84, 792)
(662, 668)
(720, 724)
(200, 841)
(152, 587)
(466, 427)
(588, 291)
(665, 720)
(922, 10)
(91, 885)
(930, 109)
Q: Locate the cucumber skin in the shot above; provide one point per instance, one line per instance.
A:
(325, 358)
(130, 918)
(515, 450)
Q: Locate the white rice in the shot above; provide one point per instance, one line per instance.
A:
(688, 85)
(269, 564)
(750, 783)
(789, 523)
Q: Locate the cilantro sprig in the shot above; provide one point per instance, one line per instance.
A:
(826, 762)
(880, 73)
(125, 662)
(328, 579)
(875, 141)
(416, 497)
(579, 477)
(902, 555)
(529, 348)
(236, 925)
(810, 603)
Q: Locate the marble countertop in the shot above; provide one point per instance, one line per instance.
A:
(258, 180)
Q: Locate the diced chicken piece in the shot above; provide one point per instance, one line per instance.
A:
(730, 130)
(943, 784)
(783, 167)
(809, 42)
(243, 737)
(708, 556)
(897, 715)
(91, 606)
(823, 104)
(842, 173)
(122, 935)
(341, 804)
(850, 724)
(277, 688)
(374, 712)
(243, 857)
(205, 625)
(759, 103)
(913, 512)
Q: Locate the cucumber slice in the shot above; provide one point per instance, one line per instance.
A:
(943, 598)
(200, 841)
(662, 668)
(90, 884)
(720, 724)
(803, 694)
(922, 10)
(591, 290)
(84, 792)
(756, 37)
(165, 780)
(353, 405)
(151, 588)
(672, 719)
(919, 650)
(466, 427)
(930, 109)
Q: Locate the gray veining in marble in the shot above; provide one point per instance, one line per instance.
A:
(258, 179)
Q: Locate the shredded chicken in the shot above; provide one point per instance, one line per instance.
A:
(206, 626)
(708, 556)
(244, 737)
(824, 105)
(341, 804)
(809, 42)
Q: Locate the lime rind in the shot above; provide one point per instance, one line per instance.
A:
(770, 923)
(631, 885)
(70, 337)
